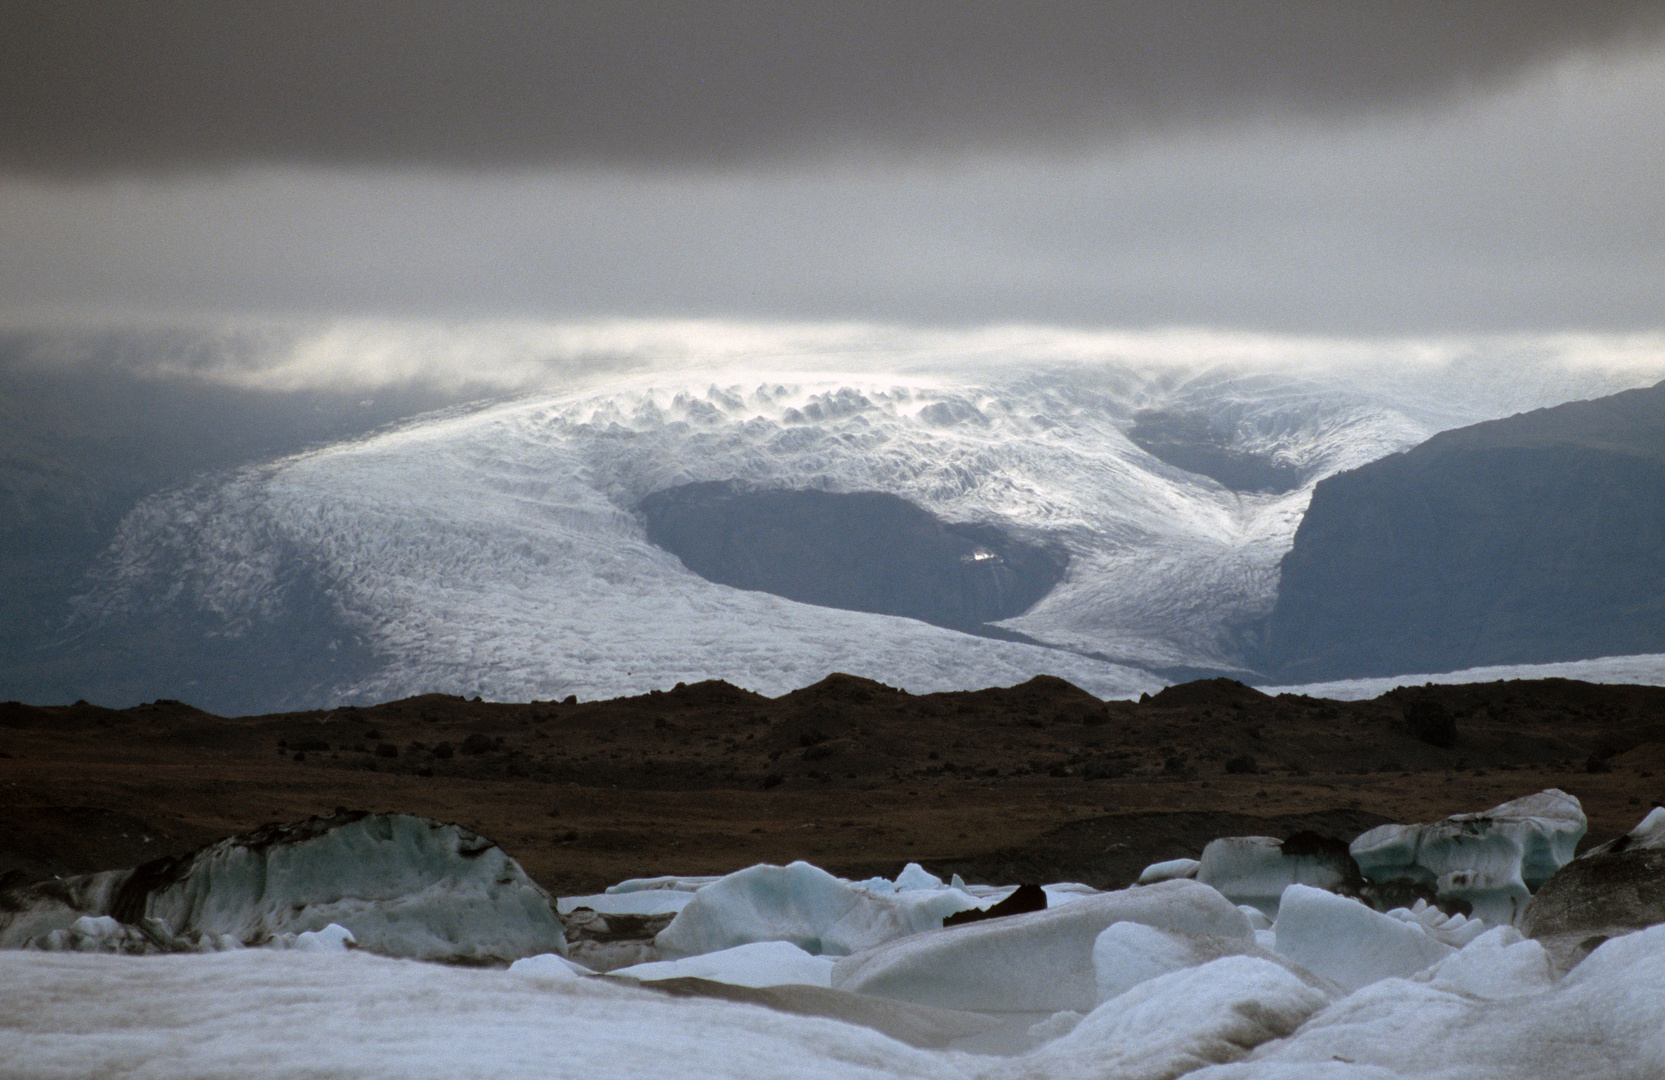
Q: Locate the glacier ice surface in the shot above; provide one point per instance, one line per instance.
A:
(498, 552)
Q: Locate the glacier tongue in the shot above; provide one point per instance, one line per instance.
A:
(498, 553)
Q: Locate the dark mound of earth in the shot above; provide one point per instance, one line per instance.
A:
(862, 551)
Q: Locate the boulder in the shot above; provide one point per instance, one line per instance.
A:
(1024, 898)
(1613, 890)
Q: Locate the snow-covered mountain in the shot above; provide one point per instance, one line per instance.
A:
(499, 551)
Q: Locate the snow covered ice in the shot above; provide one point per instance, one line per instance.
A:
(1158, 980)
(806, 906)
(499, 552)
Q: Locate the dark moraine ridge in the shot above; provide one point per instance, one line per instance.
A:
(1536, 538)
(862, 551)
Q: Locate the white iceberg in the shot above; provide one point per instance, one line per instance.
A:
(1177, 1022)
(1342, 939)
(1040, 962)
(806, 906)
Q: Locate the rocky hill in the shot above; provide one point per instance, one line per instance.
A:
(1535, 538)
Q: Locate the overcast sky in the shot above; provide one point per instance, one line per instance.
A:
(1323, 168)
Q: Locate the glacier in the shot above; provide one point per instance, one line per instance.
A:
(497, 552)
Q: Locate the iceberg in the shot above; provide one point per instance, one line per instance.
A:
(399, 885)
(1040, 962)
(1492, 861)
(806, 906)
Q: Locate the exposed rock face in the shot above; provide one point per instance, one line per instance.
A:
(1188, 441)
(864, 551)
(1536, 538)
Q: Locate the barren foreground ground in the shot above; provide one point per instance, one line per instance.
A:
(1038, 782)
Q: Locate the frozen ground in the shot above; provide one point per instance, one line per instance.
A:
(497, 552)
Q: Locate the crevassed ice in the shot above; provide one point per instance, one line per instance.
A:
(496, 553)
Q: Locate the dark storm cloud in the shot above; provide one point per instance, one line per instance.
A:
(96, 86)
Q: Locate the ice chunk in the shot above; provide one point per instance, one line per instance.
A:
(1067, 892)
(1649, 834)
(1604, 1021)
(403, 885)
(804, 905)
(1179, 1021)
(914, 876)
(761, 963)
(1492, 860)
(673, 882)
(101, 933)
(1126, 954)
(1255, 870)
(1498, 964)
(332, 938)
(1455, 930)
(1041, 962)
(549, 966)
(1167, 871)
(48, 915)
(1342, 939)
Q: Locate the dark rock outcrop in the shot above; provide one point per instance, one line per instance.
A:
(1536, 538)
(862, 551)
(1025, 899)
(1188, 441)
